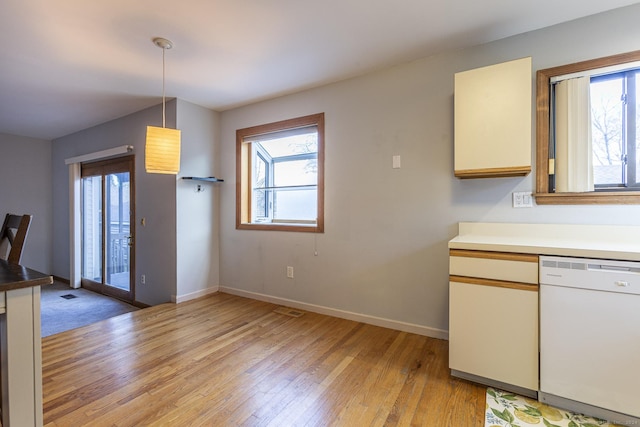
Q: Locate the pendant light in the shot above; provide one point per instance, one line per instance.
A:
(162, 149)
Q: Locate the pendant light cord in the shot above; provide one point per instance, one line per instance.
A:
(163, 102)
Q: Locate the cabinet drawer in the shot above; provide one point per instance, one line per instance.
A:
(521, 268)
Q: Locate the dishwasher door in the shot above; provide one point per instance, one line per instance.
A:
(590, 333)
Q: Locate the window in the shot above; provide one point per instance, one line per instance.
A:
(614, 106)
(280, 175)
(605, 157)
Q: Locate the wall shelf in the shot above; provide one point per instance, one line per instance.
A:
(203, 178)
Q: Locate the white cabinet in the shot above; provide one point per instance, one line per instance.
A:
(493, 318)
(493, 120)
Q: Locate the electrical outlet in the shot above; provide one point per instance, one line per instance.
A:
(522, 199)
(143, 279)
(290, 272)
(396, 162)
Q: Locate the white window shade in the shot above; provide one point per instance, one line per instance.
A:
(280, 134)
(573, 155)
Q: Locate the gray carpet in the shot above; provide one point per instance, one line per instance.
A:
(61, 314)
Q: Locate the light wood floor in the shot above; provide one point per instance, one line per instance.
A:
(223, 360)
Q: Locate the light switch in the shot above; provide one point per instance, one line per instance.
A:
(522, 199)
(396, 162)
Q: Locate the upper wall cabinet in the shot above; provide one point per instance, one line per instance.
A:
(493, 120)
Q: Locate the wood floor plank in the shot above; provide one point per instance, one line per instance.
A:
(223, 360)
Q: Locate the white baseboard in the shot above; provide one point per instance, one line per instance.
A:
(193, 295)
(364, 318)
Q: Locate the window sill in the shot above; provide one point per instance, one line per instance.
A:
(303, 228)
(600, 198)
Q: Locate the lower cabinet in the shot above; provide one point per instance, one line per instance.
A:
(493, 318)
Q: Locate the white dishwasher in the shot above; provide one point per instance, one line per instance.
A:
(590, 336)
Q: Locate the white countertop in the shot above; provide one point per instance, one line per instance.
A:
(591, 241)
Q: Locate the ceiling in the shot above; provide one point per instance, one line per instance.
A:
(67, 65)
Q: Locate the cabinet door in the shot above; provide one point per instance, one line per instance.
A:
(493, 332)
(493, 120)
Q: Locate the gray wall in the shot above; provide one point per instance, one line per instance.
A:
(198, 225)
(25, 174)
(384, 250)
(155, 200)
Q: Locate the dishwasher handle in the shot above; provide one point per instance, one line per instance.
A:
(615, 268)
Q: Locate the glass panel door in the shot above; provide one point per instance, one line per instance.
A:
(92, 228)
(107, 233)
(118, 231)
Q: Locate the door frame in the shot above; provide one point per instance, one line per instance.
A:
(75, 202)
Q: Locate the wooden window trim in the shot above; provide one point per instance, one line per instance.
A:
(243, 167)
(542, 195)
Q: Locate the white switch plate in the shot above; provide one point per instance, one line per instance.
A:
(522, 199)
(396, 162)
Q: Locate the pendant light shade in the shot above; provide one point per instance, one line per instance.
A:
(162, 148)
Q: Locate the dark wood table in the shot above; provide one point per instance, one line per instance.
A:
(15, 276)
(21, 345)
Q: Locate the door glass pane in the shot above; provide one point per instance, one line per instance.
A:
(92, 228)
(118, 230)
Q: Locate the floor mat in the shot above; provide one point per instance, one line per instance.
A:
(64, 308)
(505, 409)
